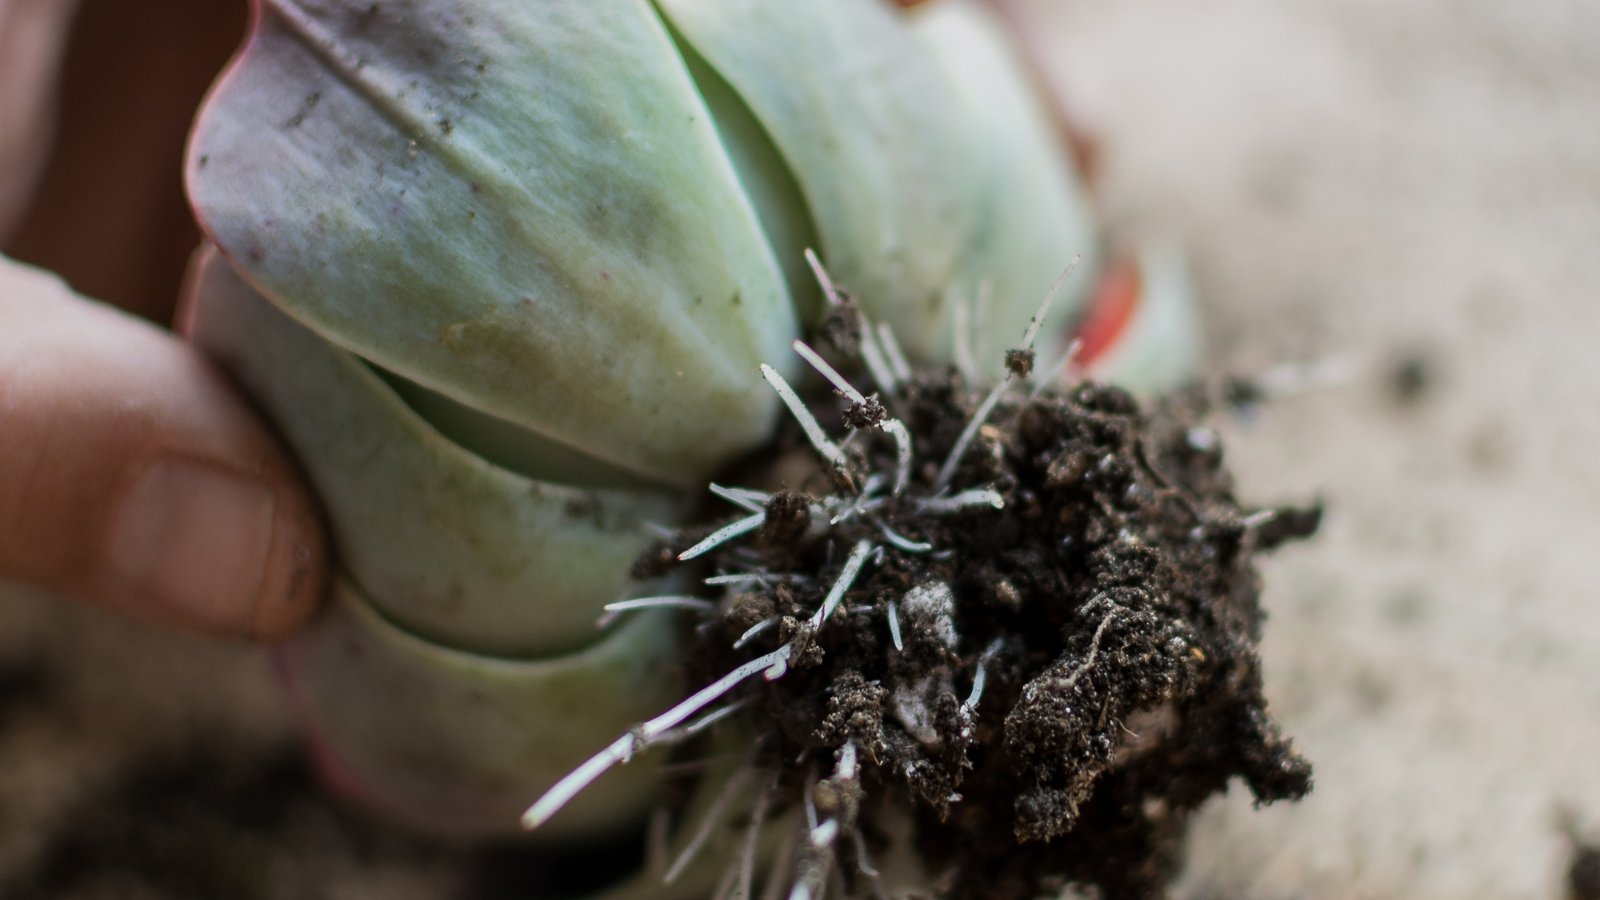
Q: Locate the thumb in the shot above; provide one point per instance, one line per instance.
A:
(133, 476)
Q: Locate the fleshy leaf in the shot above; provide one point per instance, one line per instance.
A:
(924, 158)
(522, 206)
(1159, 348)
(455, 742)
(1037, 216)
(451, 547)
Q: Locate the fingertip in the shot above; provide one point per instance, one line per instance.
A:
(134, 476)
(213, 547)
(296, 570)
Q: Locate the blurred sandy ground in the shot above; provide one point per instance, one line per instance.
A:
(1376, 180)
(1366, 178)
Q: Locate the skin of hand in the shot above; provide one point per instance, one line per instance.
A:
(132, 474)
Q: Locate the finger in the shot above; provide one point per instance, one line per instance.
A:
(132, 475)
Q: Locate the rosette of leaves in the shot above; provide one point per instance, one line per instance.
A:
(504, 274)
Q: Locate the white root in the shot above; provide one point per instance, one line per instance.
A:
(614, 609)
(823, 835)
(1094, 651)
(751, 501)
(827, 371)
(809, 876)
(1067, 364)
(772, 665)
(877, 364)
(701, 724)
(890, 425)
(962, 501)
(753, 631)
(854, 505)
(847, 577)
(901, 542)
(847, 762)
(1031, 334)
(830, 291)
(892, 352)
(756, 577)
(902, 446)
(1037, 322)
(1258, 518)
(724, 534)
(808, 423)
(959, 448)
(970, 706)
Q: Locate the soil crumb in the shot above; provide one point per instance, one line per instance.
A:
(1412, 378)
(1583, 874)
(1023, 669)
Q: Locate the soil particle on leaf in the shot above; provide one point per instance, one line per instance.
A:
(1045, 664)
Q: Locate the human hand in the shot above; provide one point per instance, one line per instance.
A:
(132, 475)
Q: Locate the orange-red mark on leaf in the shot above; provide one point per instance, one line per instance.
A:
(1111, 308)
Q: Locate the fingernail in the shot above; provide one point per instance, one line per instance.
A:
(194, 538)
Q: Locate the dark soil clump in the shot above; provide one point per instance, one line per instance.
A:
(1043, 664)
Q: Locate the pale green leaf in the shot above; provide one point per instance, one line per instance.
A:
(452, 547)
(923, 156)
(454, 742)
(522, 206)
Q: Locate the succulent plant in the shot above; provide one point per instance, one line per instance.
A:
(505, 275)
